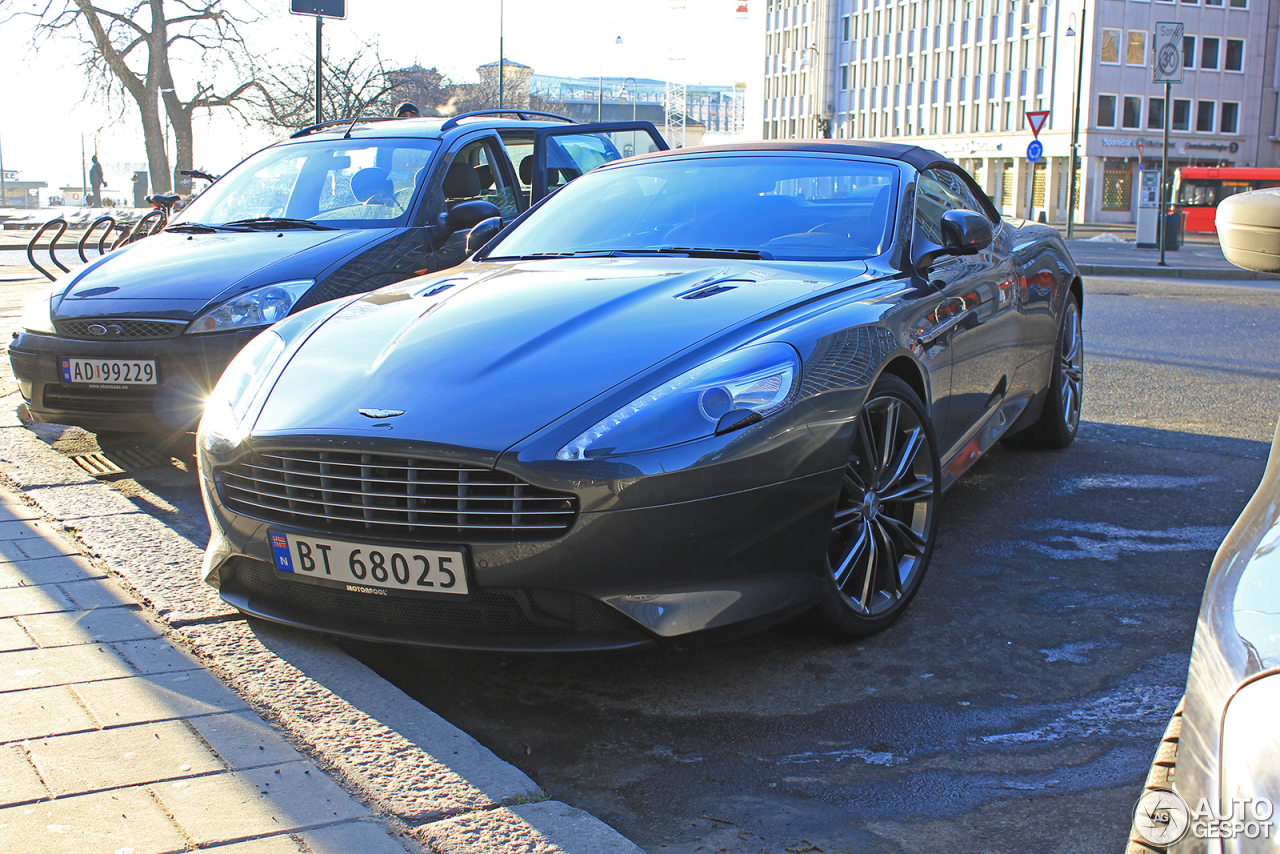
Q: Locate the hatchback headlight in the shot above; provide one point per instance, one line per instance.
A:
(261, 307)
(227, 406)
(727, 393)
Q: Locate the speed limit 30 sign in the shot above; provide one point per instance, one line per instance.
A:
(1168, 48)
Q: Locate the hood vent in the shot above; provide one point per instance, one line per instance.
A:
(710, 289)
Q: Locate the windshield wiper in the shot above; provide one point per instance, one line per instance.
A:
(272, 222)
(201, 228)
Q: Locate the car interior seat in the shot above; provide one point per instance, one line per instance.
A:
(373, 186)
(460, 183)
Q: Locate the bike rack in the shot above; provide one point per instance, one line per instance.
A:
(111, 224)
(61, 224)
(147, 225)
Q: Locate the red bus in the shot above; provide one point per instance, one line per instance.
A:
(1198, 189)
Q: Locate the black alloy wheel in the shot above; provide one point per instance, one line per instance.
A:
(883, 529)
(1061, 416)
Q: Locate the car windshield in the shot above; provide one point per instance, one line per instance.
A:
(784, 207)
(337, 183)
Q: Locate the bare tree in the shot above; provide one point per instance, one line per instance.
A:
(128, 50)
(353, 86)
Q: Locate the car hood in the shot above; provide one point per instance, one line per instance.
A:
(487, 354)
(175, 276)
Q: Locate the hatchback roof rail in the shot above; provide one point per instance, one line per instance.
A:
(523, 115)
(314, 128)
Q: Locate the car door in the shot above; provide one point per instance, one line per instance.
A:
(975, 316)
(476, 168)
(561, 154)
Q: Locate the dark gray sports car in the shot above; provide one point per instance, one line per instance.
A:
(689, 394)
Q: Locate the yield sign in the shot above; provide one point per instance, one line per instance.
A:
(1037, 118)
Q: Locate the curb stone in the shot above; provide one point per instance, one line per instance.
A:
(395, 754)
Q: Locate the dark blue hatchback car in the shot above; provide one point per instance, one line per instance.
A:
(136, 340)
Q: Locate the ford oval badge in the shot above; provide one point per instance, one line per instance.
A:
(380, 413)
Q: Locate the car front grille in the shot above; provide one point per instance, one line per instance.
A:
(485, 612)
(111, 329)
(393, 496)
(84, 398)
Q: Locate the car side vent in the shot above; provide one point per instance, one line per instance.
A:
(707, 291)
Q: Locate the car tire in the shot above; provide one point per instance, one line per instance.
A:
(1060, 419)
(1163, 767)
(885, 516)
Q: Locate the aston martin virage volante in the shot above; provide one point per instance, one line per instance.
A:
(689, 394)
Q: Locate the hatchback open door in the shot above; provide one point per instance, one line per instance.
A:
(561, 154)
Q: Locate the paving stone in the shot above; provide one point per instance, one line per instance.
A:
(74, 502)
(11, 508)
(549, 827)
(92, 594)
(365, 837)
(156, 655)
(117, 702)
(28, 529)
(123, 820)
(40, 668)
(244, 740)
(12, 636)
(36, 548)
(48, 570)
(18, 780)
(42, 712)
(268, 845)
(239, 804)
(80, 627)
(127, 756)
(15, 601)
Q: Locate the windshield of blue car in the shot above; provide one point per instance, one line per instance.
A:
(781, 207)
(355, 183)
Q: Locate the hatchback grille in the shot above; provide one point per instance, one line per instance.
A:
(120, 330)
(393, 496)
(78, 397)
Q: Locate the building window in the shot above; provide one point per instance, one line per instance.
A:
(1204, 116)
(1155, 113)
(1191, 2)
(1239, 4)
(1233, 60)
(1117, 185)
(1109, 52)
(1213, 2)
(1230, 116)
(1136, 51)
(1181, 114)
(1106, 111)
(1132, 116)
(1209, 52)
(1188, 51)
(844, 77)
(845, 27)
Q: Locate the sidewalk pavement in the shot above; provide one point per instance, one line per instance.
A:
(116, 740)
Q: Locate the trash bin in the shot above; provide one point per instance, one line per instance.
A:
(1173, 229)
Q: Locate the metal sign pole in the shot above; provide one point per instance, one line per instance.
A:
(1166, 69)
(1164, 171)
(319, 72)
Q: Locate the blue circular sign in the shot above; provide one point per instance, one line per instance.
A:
(1035, 150)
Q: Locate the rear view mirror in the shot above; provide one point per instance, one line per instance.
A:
(482, 233)
(1249, 230)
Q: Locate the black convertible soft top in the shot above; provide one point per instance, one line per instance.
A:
(914, 155)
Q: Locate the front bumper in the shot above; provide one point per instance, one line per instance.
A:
(187, 368)
(617, 579)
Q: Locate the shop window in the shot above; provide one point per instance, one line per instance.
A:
(1109, 49)
(1106, 111)
(1209, 53)
(1181, 114)
(1037, 185)
(1117, 185)
(1230, 117)
(1204, 116)
(1233, 60)
(1155, 114)
(1132, 116)
(1136, 50)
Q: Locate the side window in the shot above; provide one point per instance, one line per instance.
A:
(939, 191)
(473, 175)
(519, 145)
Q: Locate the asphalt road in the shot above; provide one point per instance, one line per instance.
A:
(1016, 705)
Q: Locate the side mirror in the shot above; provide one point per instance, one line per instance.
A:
(963, 233)
(1249, 230)
(482, 233)
(465, 215)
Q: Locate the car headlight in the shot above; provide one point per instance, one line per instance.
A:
(1250, 762)
(37, 311)
(261, 307)
(220, 428)
(729, 392)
